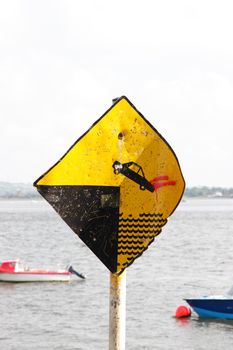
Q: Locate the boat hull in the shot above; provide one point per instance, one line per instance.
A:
(212, 308)
(35, 277)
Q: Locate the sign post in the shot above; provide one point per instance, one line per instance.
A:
(117, 311)
(115, 188)
(117, 297)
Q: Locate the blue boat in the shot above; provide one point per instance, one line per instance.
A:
(215, 306)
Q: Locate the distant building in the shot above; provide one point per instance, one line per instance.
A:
(216, 194)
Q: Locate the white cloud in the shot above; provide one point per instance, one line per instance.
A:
(62, 62)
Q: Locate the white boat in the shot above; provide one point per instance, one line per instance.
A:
(15, 271)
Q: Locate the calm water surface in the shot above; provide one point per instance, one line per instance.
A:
(192, 257)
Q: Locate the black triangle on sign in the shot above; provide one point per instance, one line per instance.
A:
(92, 212)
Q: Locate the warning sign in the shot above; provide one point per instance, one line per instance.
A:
(116, 186)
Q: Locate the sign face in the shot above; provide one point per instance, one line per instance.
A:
(116, 186)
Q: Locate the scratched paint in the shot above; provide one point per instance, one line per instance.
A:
(116, 186)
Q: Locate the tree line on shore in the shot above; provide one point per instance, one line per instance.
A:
(10, 190)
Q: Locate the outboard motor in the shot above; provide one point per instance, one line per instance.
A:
(74, 272)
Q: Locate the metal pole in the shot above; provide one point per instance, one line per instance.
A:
(117, 307)
(117, 303)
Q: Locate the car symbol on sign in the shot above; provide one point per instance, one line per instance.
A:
(136, 176)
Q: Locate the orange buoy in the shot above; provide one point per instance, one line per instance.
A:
(183, 311)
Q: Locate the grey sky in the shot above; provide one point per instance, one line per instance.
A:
(62, 62)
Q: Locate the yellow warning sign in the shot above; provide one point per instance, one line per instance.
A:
(116, 186)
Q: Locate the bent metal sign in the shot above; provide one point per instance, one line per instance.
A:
(116, 186)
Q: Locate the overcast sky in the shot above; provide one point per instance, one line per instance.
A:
(62, 62)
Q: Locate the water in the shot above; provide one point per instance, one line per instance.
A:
(192, 256)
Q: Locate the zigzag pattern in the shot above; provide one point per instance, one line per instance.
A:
(136, 234)
(134, 239)
(143, 214)
(143, 225)
(135, 245)
(150, 214)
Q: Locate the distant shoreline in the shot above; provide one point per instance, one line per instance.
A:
(40, 199)
(19, 191)
(36, 199)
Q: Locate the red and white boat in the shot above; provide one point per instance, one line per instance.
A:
(15, 271)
